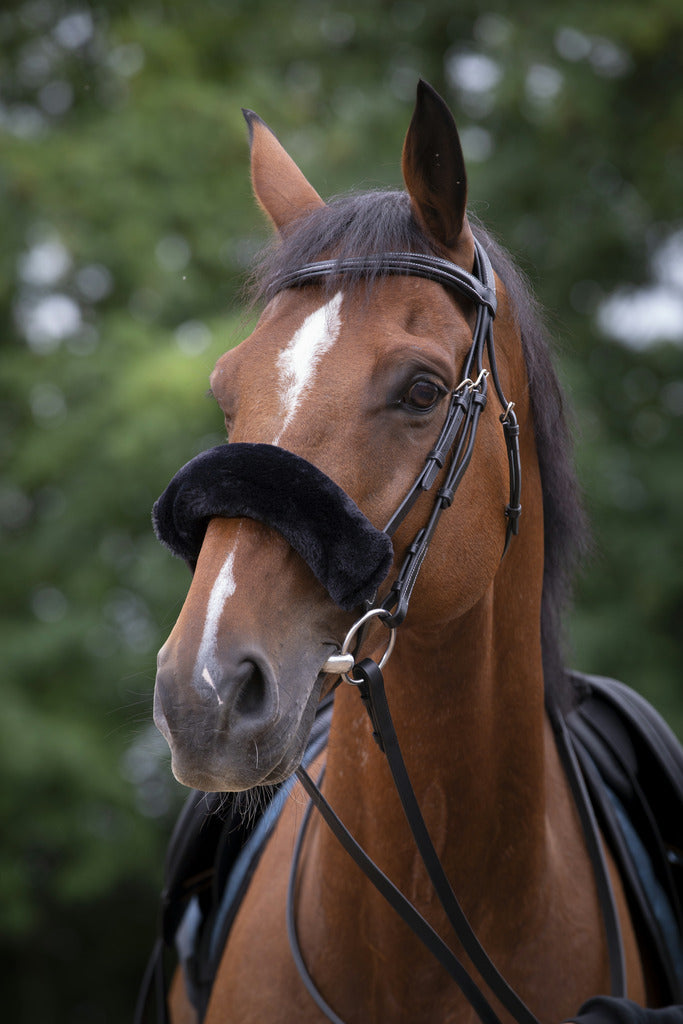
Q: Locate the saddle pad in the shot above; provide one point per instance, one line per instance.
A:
(633, 769)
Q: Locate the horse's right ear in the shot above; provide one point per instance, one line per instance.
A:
(280, 188)
(434, 174)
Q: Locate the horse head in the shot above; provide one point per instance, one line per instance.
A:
(354, 378)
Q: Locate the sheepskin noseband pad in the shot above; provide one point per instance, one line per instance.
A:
(346, 553)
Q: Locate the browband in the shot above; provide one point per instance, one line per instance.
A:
(410, 264)
(345, 552)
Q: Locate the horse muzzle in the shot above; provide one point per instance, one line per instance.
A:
(238, 721)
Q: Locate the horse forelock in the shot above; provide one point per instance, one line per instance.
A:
(361, 224)
(365, 224)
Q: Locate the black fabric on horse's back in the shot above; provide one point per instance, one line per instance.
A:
(633, 768)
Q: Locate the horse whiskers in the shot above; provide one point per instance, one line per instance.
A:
(251, 803)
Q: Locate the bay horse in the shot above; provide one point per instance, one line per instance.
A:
(350, 379)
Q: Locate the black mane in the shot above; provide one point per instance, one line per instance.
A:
(367, 223)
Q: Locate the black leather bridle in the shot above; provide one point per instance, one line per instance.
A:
(452, 451)
(467, 401)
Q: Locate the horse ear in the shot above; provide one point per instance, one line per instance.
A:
(280, 188)
(434, 174)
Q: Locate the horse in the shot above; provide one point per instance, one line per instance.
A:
(371, 382)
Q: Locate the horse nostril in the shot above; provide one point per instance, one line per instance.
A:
(252, 689)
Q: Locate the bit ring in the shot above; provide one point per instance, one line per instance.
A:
(374, 612)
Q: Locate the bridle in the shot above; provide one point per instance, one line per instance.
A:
(452, 452)
(467, 402)
(456, 439)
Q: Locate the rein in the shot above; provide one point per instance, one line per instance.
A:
(455, 443)
(371, 690)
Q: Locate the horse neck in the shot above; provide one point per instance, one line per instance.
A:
(469, 713)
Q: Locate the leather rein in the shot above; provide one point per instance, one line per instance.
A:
(453, 449)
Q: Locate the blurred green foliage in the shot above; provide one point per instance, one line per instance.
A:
(127, 228)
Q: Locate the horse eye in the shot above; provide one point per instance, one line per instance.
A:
(423, 395)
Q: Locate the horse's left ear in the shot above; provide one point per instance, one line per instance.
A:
(281, 189)
(434, 174)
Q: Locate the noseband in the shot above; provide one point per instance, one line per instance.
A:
(271, 485)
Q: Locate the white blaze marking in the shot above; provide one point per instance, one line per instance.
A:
(297, 365)
(299, 361)
(224, 587)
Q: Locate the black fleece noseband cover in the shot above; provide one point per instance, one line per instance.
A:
(346, 553)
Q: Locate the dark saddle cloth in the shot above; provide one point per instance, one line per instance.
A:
(633, 769)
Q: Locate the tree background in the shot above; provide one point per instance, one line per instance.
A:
(127, 228)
